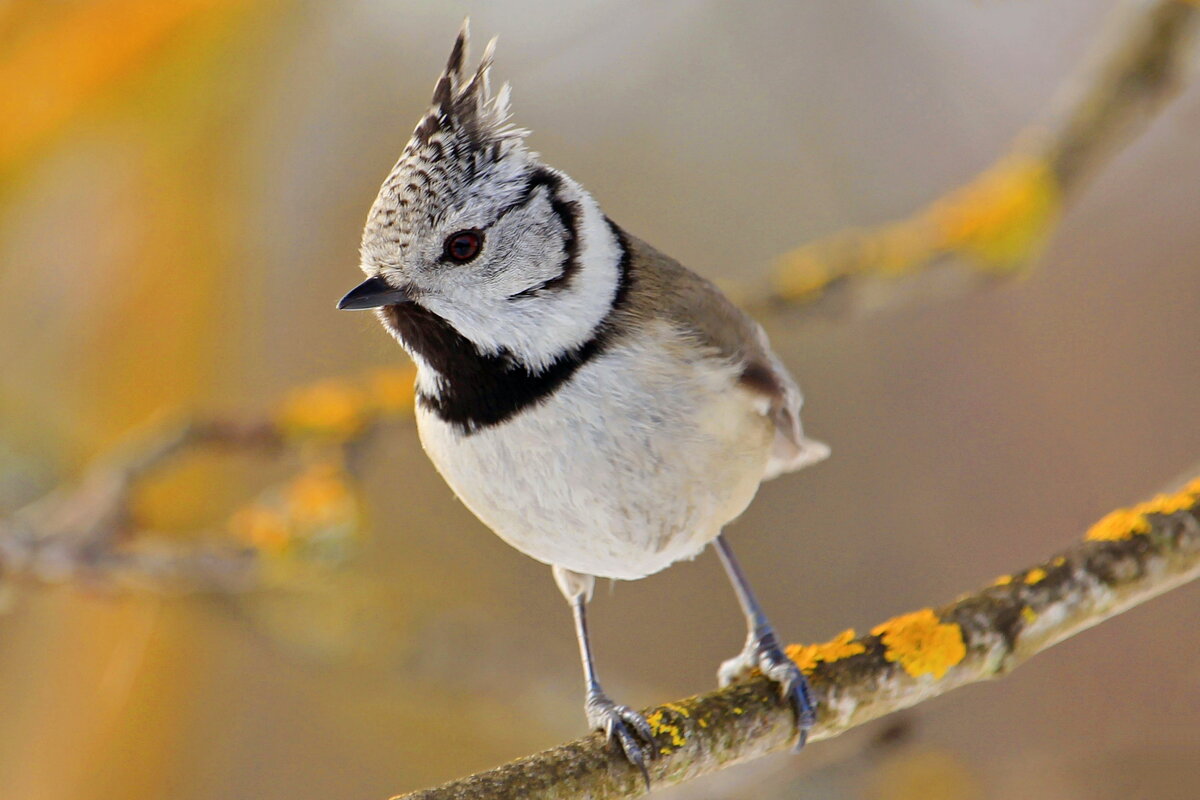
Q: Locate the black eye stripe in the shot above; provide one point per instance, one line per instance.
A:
(569, 214)
(537, 179)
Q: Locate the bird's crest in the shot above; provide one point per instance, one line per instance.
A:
(463, 147)
(464, 106)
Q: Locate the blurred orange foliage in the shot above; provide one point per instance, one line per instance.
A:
(318, 503)
(998, 221)
(332, 408)
(339, 409)
(62, 61)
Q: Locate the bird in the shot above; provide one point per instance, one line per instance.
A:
(599, 406)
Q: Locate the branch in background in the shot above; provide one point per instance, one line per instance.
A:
(1130, 556)
(999, 221)
(91, 533)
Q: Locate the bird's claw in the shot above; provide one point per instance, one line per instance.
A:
(764, 654)
(623, 725)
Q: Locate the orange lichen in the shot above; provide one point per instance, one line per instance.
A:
(331, 408)
(659, 725)
(320, 494)
(1125, 523)
(262, 527)
(1059, 561)
(1001, 217)
(1029, 615)
(1168, 503)
(921, 643)
(1120, 524)
(314, 513)
(1003, 580)
(678, 708)
(340, 410)
(893, 249)
(1035, 576)
(900, 247)
(802, 274)
(807, 656)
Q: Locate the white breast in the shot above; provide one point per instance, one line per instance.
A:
(635, 463)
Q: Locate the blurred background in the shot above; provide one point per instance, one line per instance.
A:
(182, 187)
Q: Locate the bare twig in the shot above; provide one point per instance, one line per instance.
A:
(999, 221)
(1129, 557)
(85, 532)
(88, 533)
(1137, 68)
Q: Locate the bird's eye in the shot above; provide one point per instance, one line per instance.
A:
(461, 247)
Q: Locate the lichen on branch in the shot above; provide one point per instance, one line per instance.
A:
(997, 223)
(97, 532)
(910, 658)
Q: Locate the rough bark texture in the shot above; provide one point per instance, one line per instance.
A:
(1129, 557)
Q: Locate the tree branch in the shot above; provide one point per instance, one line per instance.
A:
(1130, 556)
(90, 533)
(87, 532)
(998, 222)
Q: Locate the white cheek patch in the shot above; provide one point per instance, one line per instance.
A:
(539, 328)
(530, 242)
(555, 320)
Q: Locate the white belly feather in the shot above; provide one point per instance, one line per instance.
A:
(635, 463)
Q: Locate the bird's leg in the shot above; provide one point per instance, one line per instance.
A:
(762, 649)
(619, 723)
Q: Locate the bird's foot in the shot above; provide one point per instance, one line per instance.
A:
(623, 725)
(764, 654)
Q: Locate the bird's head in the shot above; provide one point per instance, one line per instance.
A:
(472, 230)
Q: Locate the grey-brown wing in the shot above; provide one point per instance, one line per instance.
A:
(664, 287)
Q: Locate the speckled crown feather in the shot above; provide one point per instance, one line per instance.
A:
(462, 149)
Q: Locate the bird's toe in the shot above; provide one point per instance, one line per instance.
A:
(793, 687)
(621, 724)
(766, 656)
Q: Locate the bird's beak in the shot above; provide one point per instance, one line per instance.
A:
(373, 293)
